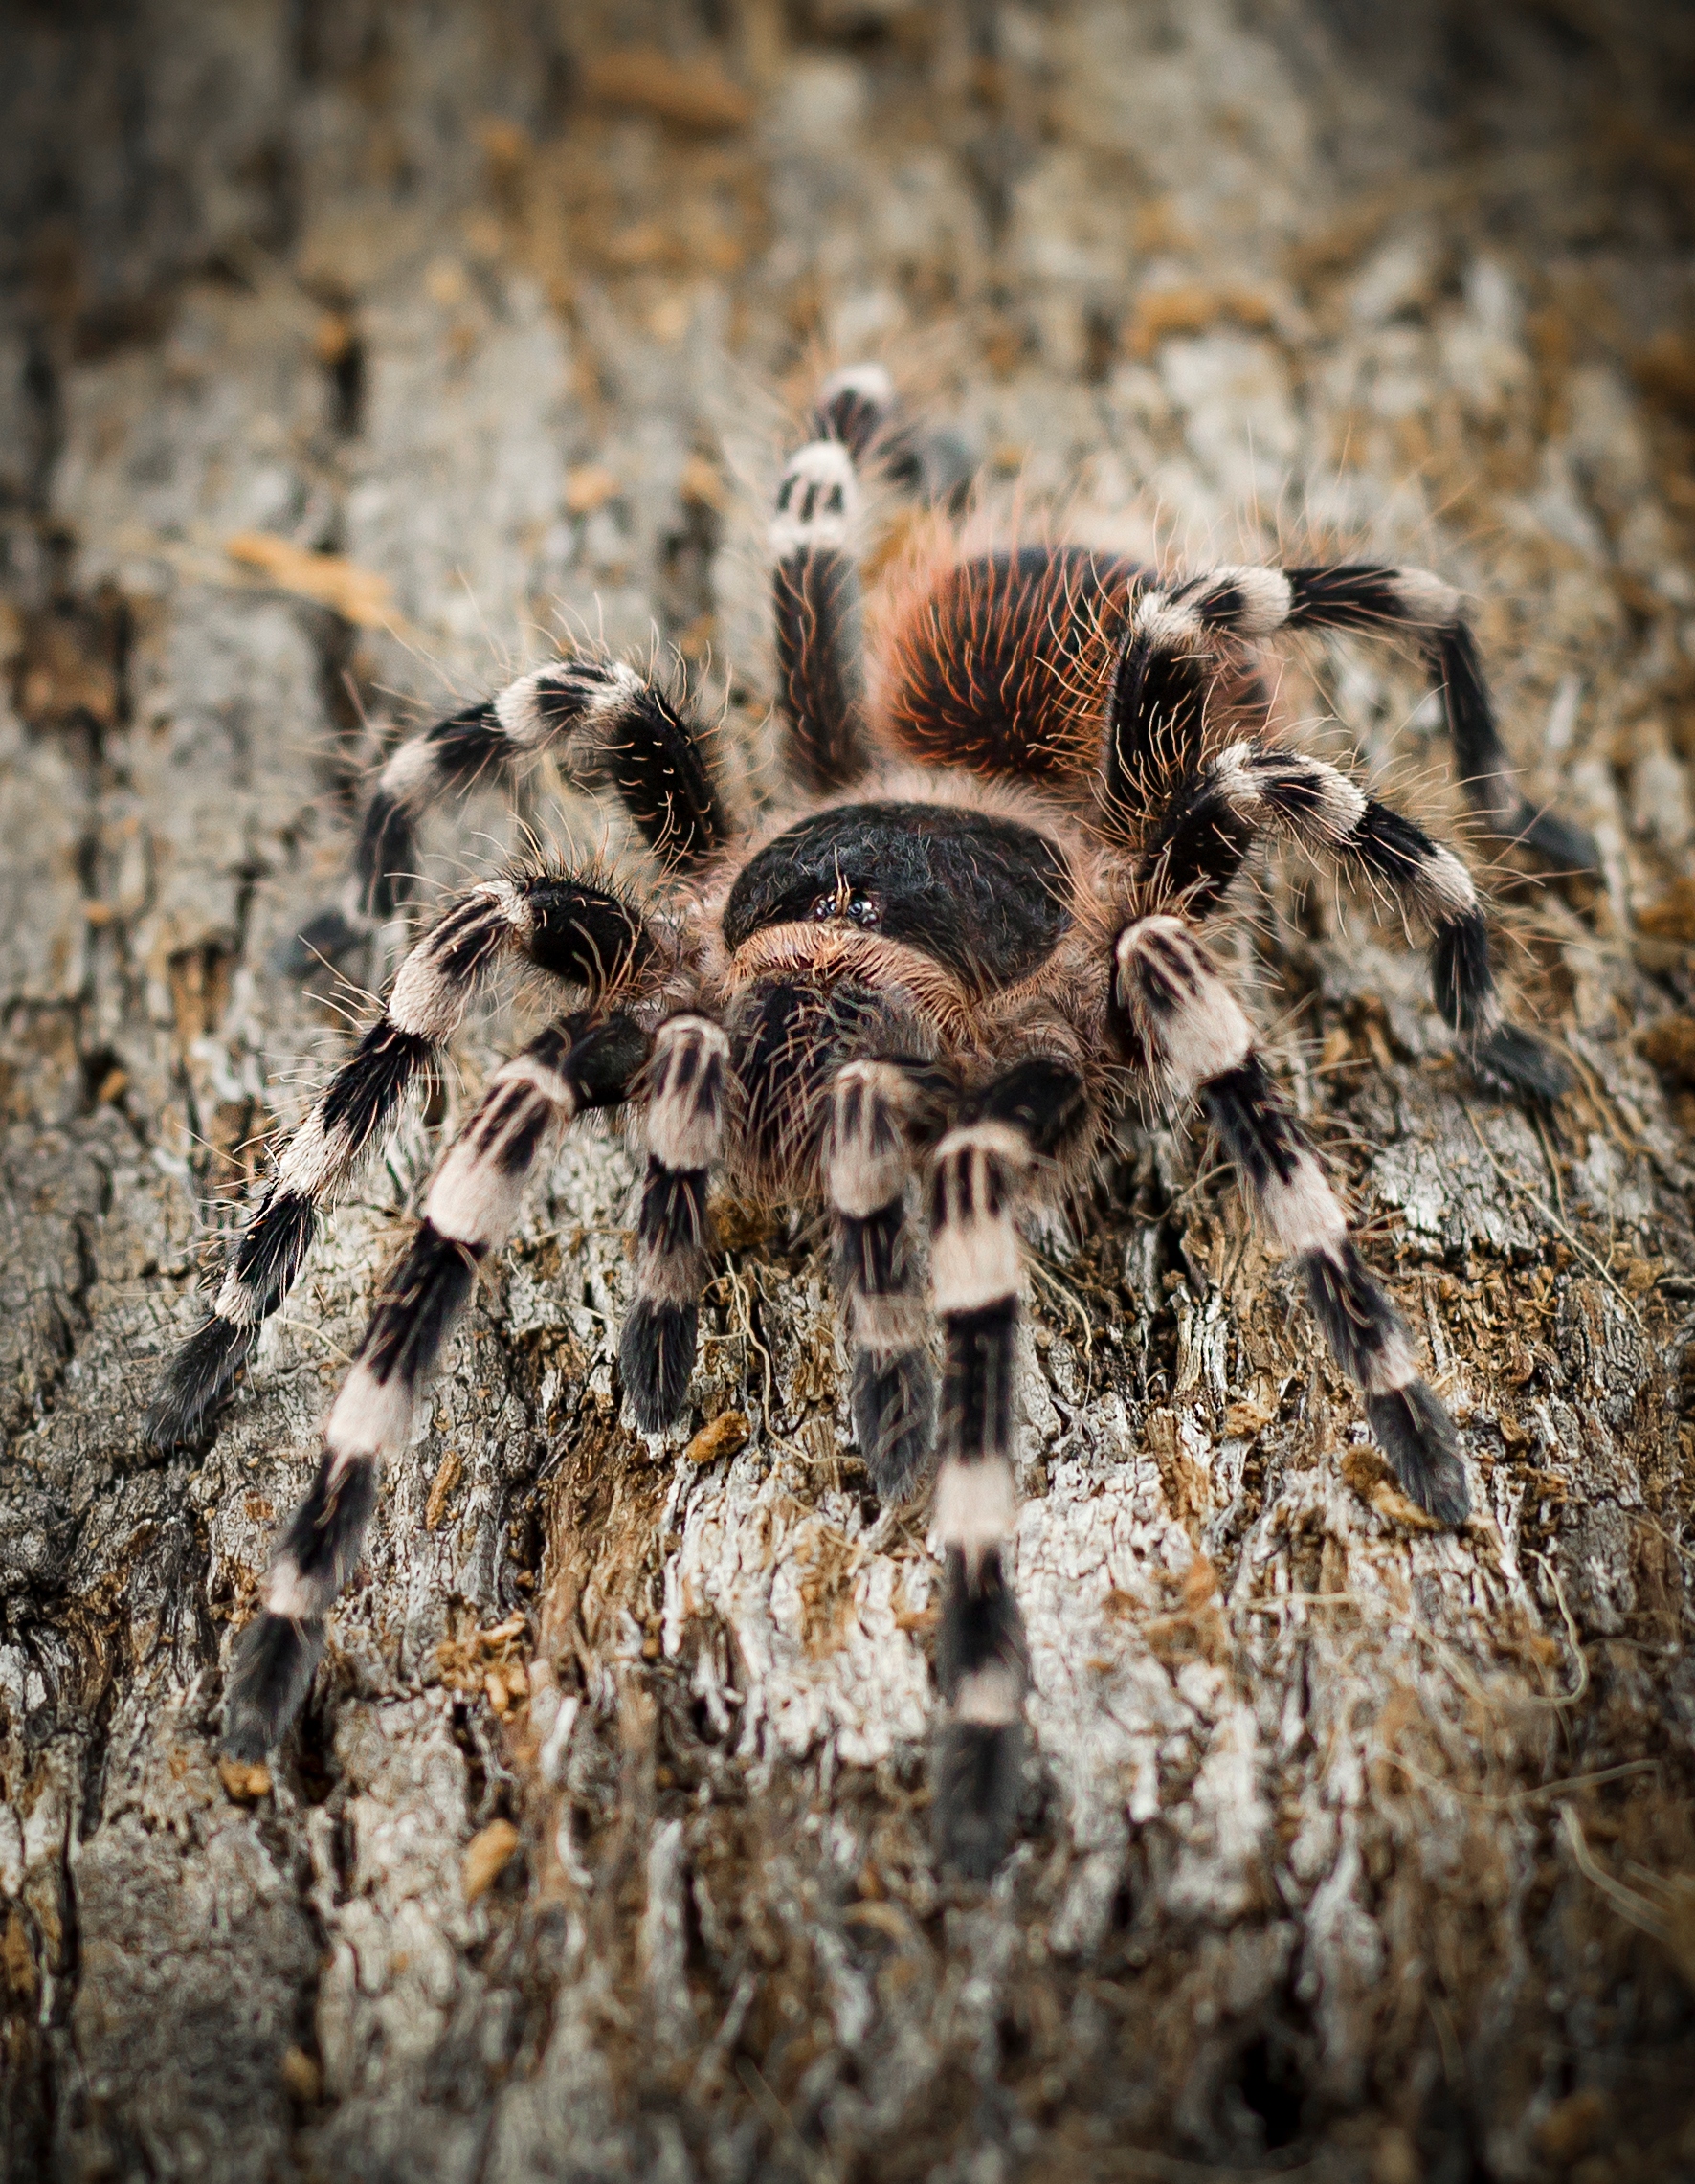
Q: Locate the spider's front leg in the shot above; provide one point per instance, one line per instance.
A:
(984, 1168)
(1177, 1021)
(570, 930)
(653, 753)
(473, 1203)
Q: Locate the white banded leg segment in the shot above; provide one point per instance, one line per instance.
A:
(652, 752)
(471, 1207)
(577, 930)
(980, 1170)
(1156, 708)
(817, 612)
(1169, 983)
(859, 407)
(854, 405)
(473, 1203)
(974, 1268)
(688, 1090)
(1175, 1017)
(1154, 712)
(867, 1161)
(1369, 597)
(1408, 1420)
(1200, 845)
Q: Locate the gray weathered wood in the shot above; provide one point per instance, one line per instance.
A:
(1342, 1835)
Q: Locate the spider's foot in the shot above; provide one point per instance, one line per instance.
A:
(195, 1383)
(894, 1415)
(276, 1659)
(978, 1779)
(1507, 1059)
(1413, 1430)
(656, 1357)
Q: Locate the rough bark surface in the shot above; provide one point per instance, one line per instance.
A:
(602, 1849)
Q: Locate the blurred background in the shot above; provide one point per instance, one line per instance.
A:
(353, 352)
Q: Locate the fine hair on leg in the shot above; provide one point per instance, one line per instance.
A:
(575, 930)
(1177, 1019)
(1155, 713)
(687, 1090)
(816, 607)
(473, 1200)
(874, 1108)
(1201, 838)
(982, 1662)
(983, 1171)
(649, 751)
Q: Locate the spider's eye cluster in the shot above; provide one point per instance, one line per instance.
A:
(848, 902)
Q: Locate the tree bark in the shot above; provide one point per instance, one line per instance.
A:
(602, 1848)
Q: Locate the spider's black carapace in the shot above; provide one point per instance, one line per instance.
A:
(985, 896)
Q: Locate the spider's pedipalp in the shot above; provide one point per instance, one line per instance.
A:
(473, 1202)
(1177, 1016)
(688, 1089)
(868, 1157)
(576, 931)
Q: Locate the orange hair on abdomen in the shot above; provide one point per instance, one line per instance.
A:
(1001, 662)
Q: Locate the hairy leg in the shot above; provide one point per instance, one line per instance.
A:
(877, 1111)
(1177, 1021)
(472, 1204)
(649, 751)
(983, 1169)
(687, 1088)
(578, 931)
(817, 606)
(1159, 689)
(1199, 844)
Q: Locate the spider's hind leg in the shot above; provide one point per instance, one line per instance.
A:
(983, 1169)
(1369, 598)
(1160, 682)
(816, 603)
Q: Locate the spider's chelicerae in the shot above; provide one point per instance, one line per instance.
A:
(971, 935)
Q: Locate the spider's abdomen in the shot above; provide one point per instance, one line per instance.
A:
(984, 896)
(1002, 663)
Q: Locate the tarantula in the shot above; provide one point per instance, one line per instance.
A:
(969, 936)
